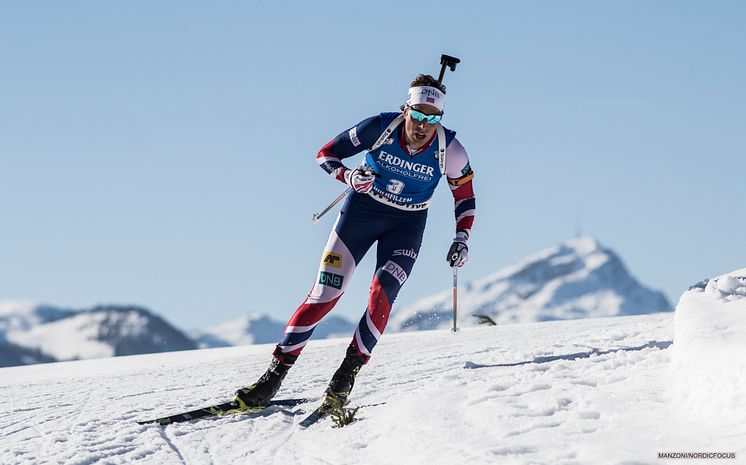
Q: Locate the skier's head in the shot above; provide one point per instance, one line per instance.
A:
(423, 110)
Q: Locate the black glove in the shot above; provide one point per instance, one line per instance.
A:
(458, 254)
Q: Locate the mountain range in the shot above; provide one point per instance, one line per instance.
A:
(579, 278)
(576, 279)
(32, 333)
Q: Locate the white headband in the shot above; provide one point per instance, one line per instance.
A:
(426, 95)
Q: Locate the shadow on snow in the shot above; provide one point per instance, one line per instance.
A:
(571, 357)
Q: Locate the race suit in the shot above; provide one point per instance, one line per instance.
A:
(393, 214)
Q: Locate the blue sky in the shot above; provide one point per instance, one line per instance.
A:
(161, 153)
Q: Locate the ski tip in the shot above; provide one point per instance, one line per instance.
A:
(306, 424)
(221, 410)
(312, 418)
(159, 421)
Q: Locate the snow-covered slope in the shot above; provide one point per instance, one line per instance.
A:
(260, 329)
(593, 391)
(102, 332)
(577, 279)
(710, 345)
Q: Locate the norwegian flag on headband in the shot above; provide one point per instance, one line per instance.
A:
(427, 95)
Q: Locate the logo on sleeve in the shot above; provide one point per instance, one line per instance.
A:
(353, 136)
(331, 279)
(405, 253)
(332, 259)
(396, 271)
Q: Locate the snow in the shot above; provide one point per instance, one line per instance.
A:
(56, 338)
(710, 347)
(10, 307)
(103, 331)
(20, 315)
(586, 391)
(249, 329)
(132, 324)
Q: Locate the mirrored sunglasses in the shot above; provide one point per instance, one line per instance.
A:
(419, 116)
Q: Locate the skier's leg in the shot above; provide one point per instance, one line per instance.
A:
(335, 271)
(347, 244)
(398, 248)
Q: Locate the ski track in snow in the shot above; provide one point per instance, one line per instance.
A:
(567, 392)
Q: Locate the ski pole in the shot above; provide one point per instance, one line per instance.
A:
(317, 216)
(455, 299)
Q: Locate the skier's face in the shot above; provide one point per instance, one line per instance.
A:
(418, 133)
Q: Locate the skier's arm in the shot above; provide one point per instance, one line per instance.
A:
(460, 176)
(353, 141)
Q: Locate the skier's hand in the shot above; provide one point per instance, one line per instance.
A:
(458, 254)
(361, 179)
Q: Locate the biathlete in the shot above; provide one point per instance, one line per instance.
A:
(408, 153)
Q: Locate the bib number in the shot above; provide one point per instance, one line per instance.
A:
(395, 186)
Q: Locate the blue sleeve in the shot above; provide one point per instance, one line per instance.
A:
(360, 137)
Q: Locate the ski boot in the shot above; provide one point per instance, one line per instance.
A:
(260, 393)
(341, 384)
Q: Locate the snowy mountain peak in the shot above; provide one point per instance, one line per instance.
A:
(571, 256)
(248, 329)
(576, 279)
(20, 315)
(104, 331)
(584, 245)
(10, 307)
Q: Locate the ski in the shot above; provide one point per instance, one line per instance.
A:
(318, 414)
(220, 410)
(313, 417)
